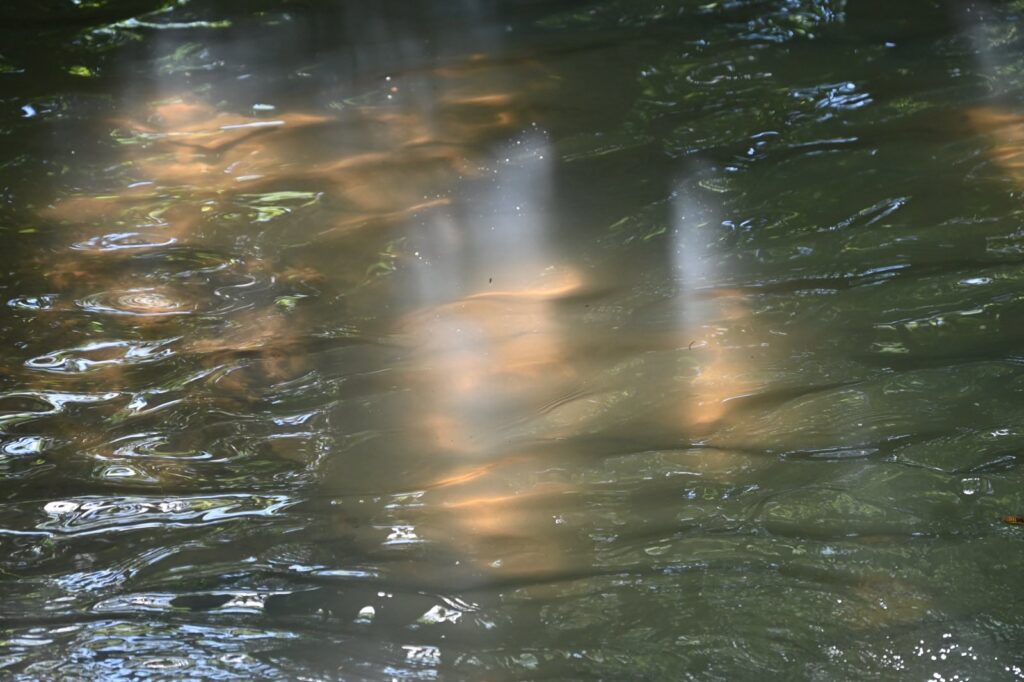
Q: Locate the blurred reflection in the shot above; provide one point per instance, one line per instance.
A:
(1005, 129)
(488, 354)
(999, 121)
(190, 166)
(441, 152)
(707, 312)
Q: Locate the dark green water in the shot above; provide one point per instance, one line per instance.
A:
(511, 340)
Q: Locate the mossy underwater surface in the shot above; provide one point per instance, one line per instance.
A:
(511, 340)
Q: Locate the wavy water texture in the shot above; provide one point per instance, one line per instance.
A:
(511, 340)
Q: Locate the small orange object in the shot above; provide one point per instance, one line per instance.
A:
(1014, 520)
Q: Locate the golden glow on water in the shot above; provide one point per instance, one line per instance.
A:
(1005, 129)
(721, 373)
(484, 364)
(481, 358)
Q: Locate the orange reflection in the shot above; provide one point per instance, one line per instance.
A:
(708, 313)
(1006, 130)
(485, 360)
(487, 355)
(722, 372)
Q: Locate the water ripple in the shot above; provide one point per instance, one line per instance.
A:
(145, 302)
(121, 241)
(16, 406)
(43, 302)
(98, 515)
(100, 354)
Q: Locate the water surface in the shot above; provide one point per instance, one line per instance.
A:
(511, 340)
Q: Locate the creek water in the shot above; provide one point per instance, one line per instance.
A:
(499, 340)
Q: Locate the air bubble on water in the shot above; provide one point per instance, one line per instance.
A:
(973, 486)
(440, 614)
(60, 507)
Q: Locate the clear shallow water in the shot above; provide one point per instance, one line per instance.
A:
(536, 340)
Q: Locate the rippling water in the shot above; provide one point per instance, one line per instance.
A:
(559, 339)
